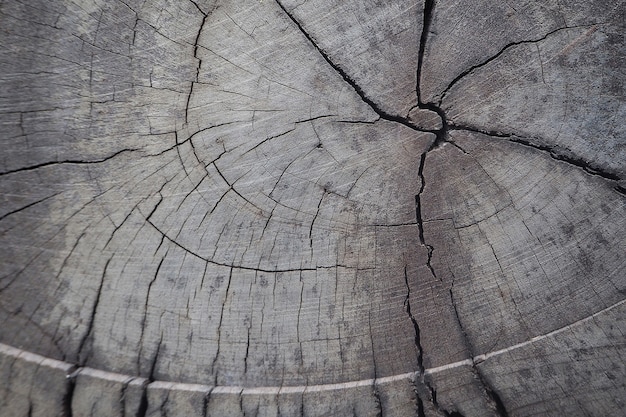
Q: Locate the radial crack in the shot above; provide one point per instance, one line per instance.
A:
(69, 395)
(143, 402)
(429, 5)
(145, 319)
(375, 392)
(499, 53)
(67, 161)
(441, 137)
(205, 15)
(430, 389)
(442, 133)
(421, 384)
(92, 319)
(27, 206)
(219, 329)
(407, 304)
(555, 152)
(418, 215)
(492, 396)
(381, 113)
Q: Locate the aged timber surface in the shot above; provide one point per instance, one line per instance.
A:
(316, 208)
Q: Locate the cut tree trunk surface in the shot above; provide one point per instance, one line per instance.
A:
(316, 208)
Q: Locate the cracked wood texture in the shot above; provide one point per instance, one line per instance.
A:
(312, 208)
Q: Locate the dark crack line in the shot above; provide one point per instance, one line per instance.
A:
(418, 215)
(381, 113)
(429, 5)
(118, 227)
(68, 161)
(416, 327)
(233, 189)
(246, 268)
(28, 206)
(144, 319)
(205, 15)
(189, 101)
(441, 135)
(205, 402)
(143, 402)
(421, 383)
(246, 357)
(264, 141)
(92, 318)
(241, 406)
(295, 126)
(492, 396)
(317, 212)
(419, 403)
(219, 329)
(425, 384)
(155, 358)
(123, 393)
(69, 395)
(164, 405)
(499, 53)
(552, 151)
(375, 391)
(207, 260)
(177, 143)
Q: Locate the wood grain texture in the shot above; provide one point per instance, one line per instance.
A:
(316, 208)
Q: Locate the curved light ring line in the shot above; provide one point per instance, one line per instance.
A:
(72, 370)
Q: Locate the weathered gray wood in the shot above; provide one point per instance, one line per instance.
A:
(103, 393)
(564, 93)
(277, 208)
(579, 369)
(33, 385)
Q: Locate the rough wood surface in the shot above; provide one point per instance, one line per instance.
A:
(316, 208)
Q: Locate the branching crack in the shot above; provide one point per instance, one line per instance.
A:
(422, 385)
(498, 54)
(381, 113)
(556, 152)
(492, 396)
(441, 135)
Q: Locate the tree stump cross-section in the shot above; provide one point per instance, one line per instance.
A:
(312, 208)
